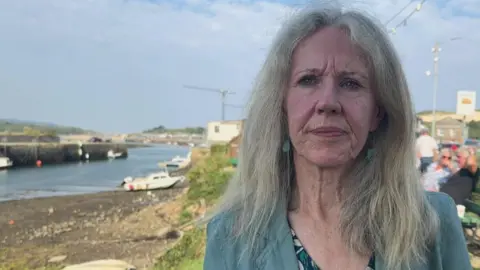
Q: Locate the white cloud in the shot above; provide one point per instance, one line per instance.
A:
(120, 65)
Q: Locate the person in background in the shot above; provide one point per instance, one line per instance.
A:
(467, 162)
(462, 184)
(438, 173)
(426, 148)
(326, 177)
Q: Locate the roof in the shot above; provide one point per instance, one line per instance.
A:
(449, 121)
(227, 122)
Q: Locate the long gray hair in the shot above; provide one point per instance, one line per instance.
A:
(388, 211)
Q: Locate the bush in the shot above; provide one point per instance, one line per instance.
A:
(210, 164)
(208, 180)
(218, 149)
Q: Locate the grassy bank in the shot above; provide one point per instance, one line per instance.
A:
(208, 180)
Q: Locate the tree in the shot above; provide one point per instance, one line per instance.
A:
(31, 131)
(474, 129)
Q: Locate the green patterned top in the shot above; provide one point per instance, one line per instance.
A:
(305, 262)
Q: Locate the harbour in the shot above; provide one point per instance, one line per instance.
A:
(83, 177)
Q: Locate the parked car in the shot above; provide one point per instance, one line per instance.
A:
(472, 143)
(452, 145)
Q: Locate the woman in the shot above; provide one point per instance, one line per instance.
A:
(467, 162)
(440, 171)
(326, 176)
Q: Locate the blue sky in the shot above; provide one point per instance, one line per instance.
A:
(119, 65)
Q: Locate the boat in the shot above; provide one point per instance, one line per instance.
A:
(177, 162)
(158, 180)
(5, 163)
(113, 155)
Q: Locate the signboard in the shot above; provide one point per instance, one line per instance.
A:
(466, 101)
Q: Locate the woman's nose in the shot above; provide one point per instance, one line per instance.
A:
(327, 98)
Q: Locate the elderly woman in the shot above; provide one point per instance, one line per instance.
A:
(440, 171)
(468, 167)
(326, 176)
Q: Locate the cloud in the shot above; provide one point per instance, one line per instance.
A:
(119, 65)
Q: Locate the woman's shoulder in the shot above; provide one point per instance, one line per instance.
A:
(220, 227)
(451, 248)
(442, 203)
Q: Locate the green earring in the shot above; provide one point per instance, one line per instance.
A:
(286, 146)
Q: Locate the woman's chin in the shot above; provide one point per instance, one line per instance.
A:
(328, 158)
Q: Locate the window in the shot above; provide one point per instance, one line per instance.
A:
(452, 132)
(440, 132)
(217, 129)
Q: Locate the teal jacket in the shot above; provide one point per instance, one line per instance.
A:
(449, 252)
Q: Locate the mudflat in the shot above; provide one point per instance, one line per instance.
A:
(122, 225)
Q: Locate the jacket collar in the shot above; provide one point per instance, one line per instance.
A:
(278, 245)
(278, 251)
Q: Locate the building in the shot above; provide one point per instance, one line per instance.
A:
(233, 146)
(439, 115)
(219, 132)
(449, 130)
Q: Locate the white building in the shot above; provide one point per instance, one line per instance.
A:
(223, 131)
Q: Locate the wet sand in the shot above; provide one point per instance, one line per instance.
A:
(115, 225)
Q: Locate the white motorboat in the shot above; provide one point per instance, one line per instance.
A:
(177, 162)
(113, 155)
(158, 180)
(5, 163)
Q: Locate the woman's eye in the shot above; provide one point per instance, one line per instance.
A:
(308, 80)
(350, 84)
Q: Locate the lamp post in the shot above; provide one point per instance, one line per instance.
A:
(436, 51)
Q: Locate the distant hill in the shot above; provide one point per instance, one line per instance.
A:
(15, 125)
(187, 130)
(438, 111)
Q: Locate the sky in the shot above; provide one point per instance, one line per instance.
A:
(120, 65)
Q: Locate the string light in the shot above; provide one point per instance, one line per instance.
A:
(403, 22)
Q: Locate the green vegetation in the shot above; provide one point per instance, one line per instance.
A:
(187, 254)
(474, 129)
(187, 130)
(208, 180)
(36, 129)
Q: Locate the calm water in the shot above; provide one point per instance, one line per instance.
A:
(79, 178)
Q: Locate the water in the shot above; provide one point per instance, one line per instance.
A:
(81, 178)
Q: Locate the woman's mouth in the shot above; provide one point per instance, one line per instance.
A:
(329, 132)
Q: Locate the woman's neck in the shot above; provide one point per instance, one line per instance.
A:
(318, 190)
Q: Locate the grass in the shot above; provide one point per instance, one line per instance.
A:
(187, 254)
(208, 180)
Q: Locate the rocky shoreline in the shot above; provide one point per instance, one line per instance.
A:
(130, 226)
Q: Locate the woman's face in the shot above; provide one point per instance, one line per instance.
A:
(330, 102)
(462, 160)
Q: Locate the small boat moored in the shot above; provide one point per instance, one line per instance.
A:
(113, 155)
(5, 163)
(158, 180)
(177, 162)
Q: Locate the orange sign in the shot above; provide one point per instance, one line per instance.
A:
(466, 101)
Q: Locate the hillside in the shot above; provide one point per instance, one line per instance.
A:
(14, 125)
(438, 111)
(188, 130)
